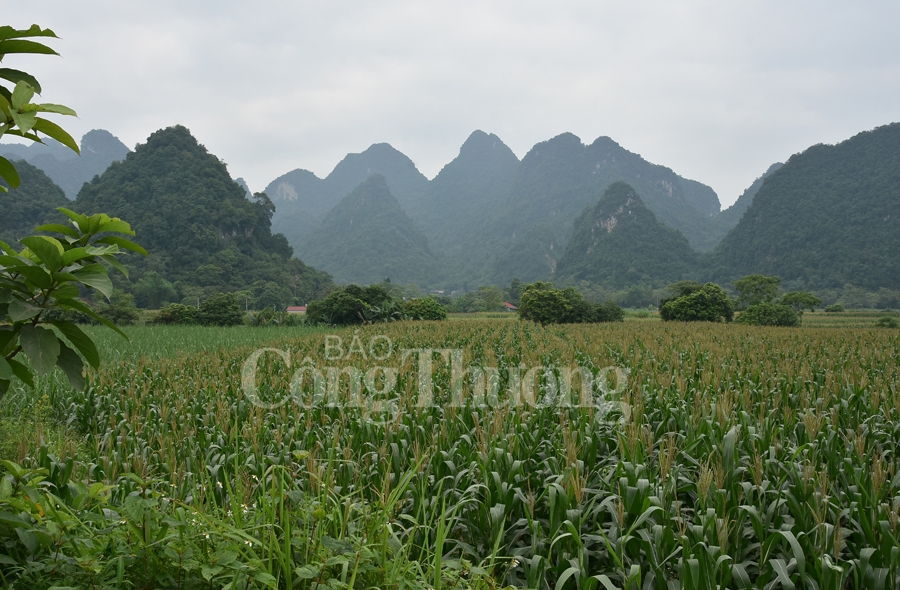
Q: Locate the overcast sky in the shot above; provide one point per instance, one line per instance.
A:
(716, 90)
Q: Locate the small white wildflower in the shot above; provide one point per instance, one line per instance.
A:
(249, 542)
(206, 535)
(515, 563)
(219, 483)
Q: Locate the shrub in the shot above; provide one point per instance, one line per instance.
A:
(339, 308)
(176, 314)
(220, 310)
(609, 311)
(886, 322)
(707, 304)
(541, 302)
(424, 308)
(834, 308)
(769, 314)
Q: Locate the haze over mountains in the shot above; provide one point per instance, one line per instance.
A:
(594, 215)
(99, 149)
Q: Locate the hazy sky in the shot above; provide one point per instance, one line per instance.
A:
(716, 90)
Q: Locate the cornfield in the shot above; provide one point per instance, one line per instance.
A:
(742, 458)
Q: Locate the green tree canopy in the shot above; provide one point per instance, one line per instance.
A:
(709, 304)
(801, 300)
(753, 289)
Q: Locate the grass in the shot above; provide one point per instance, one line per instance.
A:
(750, 457)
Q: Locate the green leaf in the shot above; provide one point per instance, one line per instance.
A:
(80, 220)
(8, 173)
(210, 571)
(79, 340)
(74, 255)
(39, 277)
(51, 129)
(122, 243)
(95, 275)
(7, 32)
(117, 226)
(307, 572)
(59, 109)
(21, 371)
(5, 370)
(47, 249)
(24, 46)
(24, 121)
(42, 347)
(22, 95)
(113, 262)
(60, 229)
(79, 306)
(18, 75)
(65, 291)
(19, 310)
(71, 364)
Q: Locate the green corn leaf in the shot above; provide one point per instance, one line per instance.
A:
(5, 370)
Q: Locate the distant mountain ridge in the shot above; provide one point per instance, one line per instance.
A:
(484, 209)
(99, 149)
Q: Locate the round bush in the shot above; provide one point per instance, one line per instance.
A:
(768, 314)
(424, 308)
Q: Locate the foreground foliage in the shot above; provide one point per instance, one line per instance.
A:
(46, 277)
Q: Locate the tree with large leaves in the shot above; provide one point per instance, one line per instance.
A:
(48, 274)
(51, 271)
(18, 114)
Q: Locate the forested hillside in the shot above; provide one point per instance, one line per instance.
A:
(829, 216)
(202, 232)
(619, 243)
(32, 204)
(99, 149)
(367, 238)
